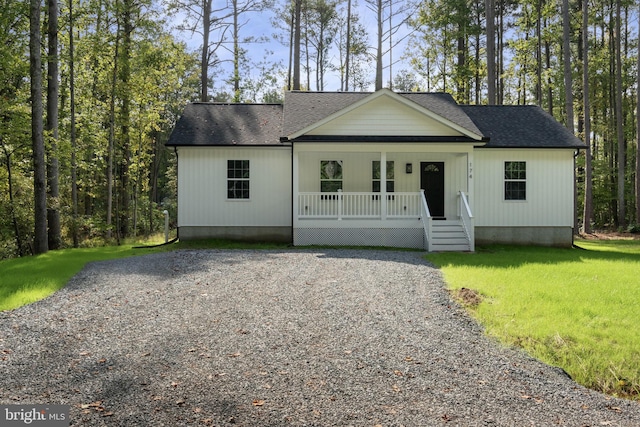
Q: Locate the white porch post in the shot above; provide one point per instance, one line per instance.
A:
(470, 199)
(470, 173)
(383, 185)
(295, 188)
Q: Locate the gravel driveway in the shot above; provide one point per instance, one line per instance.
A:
(278, 338)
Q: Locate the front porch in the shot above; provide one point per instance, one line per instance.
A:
(380, 219)
(373, 194)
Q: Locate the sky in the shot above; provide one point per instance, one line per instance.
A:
(260, 24)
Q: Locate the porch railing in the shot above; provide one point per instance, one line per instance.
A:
(466, 217)
(358, 205)
(427, 221)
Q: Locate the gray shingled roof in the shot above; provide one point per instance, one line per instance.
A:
(211, 124)
(204, 124)
(520, 126)
(302, 109)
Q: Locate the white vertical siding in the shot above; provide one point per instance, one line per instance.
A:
(202, 187)
(550, 200)
(383, 116)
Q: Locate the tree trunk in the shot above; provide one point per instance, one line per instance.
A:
(587, 213)
(291, 34)
(204, 54)
(40, 244)
(53, 211)
(348, 48)
(637, 183)
(491, 52)
(112, 136)
(390, 45)
(296, 45)
(14, 219)
(378, 84)
(236, 54)
(538, 53)
(125, 118)
(619, 129)
(566, 54)
(462, 80)
(547, 54)
(500, 53)
(74, 166)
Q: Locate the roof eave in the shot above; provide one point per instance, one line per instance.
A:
(537, 147)
(278, 144)
(386, 139)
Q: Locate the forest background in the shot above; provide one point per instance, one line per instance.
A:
(90, 90)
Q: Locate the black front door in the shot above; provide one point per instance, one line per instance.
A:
(432, 182)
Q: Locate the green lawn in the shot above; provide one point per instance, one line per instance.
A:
(574, 308)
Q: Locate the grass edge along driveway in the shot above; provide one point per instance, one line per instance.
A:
(575, 308)
(31, 278)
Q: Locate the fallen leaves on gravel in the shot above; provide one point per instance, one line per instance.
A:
(96, 406)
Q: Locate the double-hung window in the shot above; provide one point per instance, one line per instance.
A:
(515, 180)
(376, 175)
(237, 179)
(330, 176)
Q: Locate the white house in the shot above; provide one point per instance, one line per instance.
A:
(378, 169)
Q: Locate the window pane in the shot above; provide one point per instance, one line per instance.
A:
(515, 190)
(390, 172)
(515, 170)
(330, 186)
(375, 169)
(330, 169)
(237, 189)
(238, 169)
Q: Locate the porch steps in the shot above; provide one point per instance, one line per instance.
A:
(448, 235)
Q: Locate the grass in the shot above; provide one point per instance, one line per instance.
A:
(573, 308)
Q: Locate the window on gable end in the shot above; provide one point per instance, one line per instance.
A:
(515, 180)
